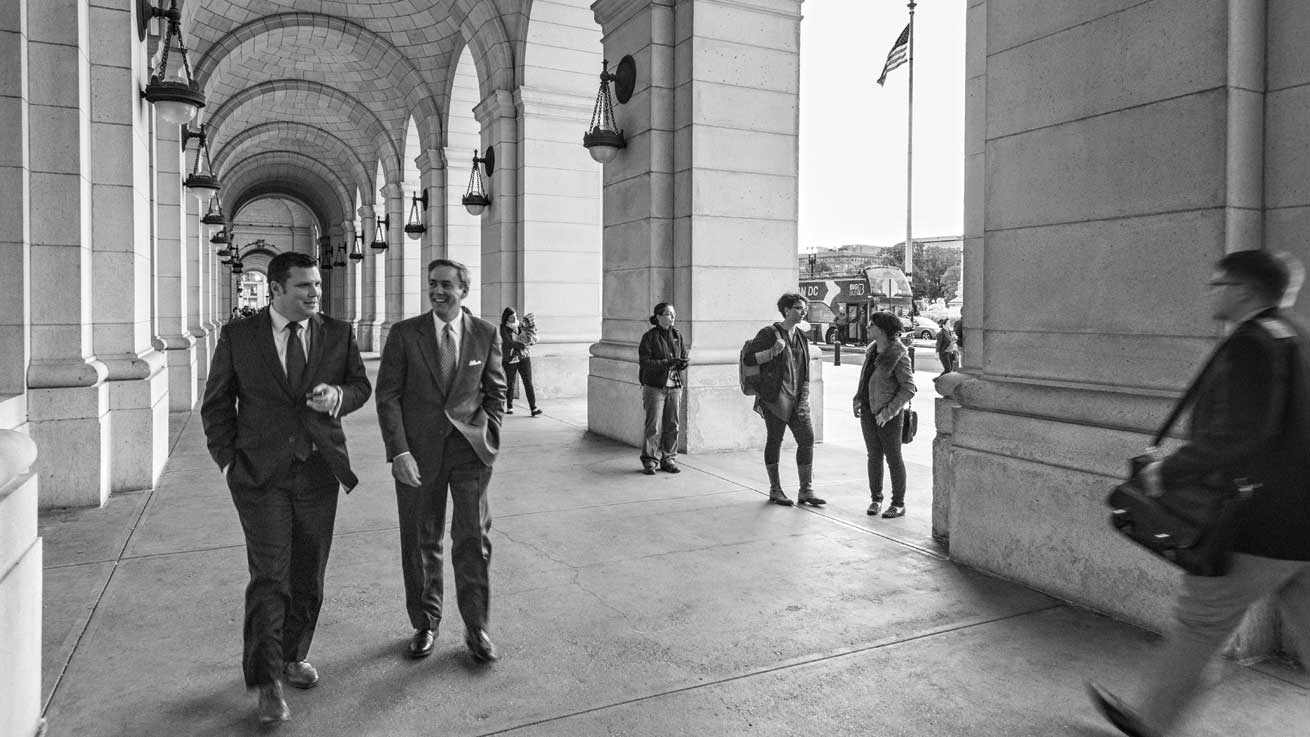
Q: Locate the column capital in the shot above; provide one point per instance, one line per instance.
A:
(612, 13)
(499, 104)
(556, 105)
(433, 158)
(366, 211)
(393, 190)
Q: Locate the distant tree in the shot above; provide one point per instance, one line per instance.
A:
(951, 282)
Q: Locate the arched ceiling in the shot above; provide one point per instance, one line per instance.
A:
(307, 98)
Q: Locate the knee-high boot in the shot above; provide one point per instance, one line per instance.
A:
(775, 486)
(806, 495)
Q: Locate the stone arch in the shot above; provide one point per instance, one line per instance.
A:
(337, 110)
(493, 53)
(278, 134)
(573, 23)
(373, 51)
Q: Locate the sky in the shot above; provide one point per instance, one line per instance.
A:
(853, 132)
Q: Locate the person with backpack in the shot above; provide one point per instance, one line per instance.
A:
(663, 357)
(782, 397)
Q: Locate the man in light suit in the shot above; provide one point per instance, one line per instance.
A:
(279, 383)
(440, 390)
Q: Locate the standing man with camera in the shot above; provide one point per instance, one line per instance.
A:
(278, 386)
(1251, 417)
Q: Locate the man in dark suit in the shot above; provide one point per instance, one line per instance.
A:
(279, 383)
(441, 387)
(1251, 418)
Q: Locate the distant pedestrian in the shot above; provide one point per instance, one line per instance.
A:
(663, 357)
(516, 340)
(1251, 418)
(885, 389)
(783, 355)
(948, 352)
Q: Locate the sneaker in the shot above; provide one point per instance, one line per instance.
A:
(893, 511)
(272, 705)
(301, 674)
(874, 509)
(668, 466)
(648, 469)
(509, 410)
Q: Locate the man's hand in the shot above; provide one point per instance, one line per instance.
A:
(323, 398)
(405, 469)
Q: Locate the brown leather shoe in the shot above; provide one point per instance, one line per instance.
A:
(421, 644)
(272, 706)
(301, 674)
(480, 646)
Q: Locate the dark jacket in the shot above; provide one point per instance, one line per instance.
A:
(772, 372)
(1251, 417)
(886, 380)
(511, 348)
(659, 350)
(946, 341)
(251, 415)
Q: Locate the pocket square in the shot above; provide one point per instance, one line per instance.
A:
(475, 362)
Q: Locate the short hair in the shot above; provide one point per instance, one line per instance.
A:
(887, 322)
(504, 316)
(659, 310)
(1262, 270)
(788, 299)
(461, 271)
(280, 266)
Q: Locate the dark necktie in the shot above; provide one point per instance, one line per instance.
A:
(295, 356)
(446, 356)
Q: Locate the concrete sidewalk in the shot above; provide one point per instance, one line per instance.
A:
(622, 605)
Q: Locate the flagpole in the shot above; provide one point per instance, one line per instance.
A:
(909, 162)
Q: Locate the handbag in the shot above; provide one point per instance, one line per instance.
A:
(1192, 524)
(909, 425)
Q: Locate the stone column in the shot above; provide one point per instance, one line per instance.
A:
(1171, 169)
(197, 281)
(67, 399)
(15, 239)
(402, 258)
(502, 253)
(709, 227)
(351, 282)
(432, 173)
(171, 293)
(20, 562)
(561, 252)
(374, 289)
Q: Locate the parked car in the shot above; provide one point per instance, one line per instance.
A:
(922, 328)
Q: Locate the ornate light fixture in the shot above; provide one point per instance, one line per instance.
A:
(215, 214)
(380, 233)
(220, 238)
(356, 248)
(200, 181)
(475, 198)
(325, 257)
(340, 261)
(604, 139)
(176, 98)
(415, 227)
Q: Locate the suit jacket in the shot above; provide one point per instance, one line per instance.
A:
(251, 414)
(1251, 417)
(413, 411)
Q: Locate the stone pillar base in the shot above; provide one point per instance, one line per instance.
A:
(20, 608)
(181, 378)
(71, 427)
(559, 370)
(716, 415)
(138, 412)
(368, 335)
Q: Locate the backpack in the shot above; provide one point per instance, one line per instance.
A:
(747, 375)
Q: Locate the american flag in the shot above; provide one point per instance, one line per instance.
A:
(897, 56)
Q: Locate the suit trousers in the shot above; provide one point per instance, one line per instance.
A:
(422, 512)
(1207, 611)
(288, 529)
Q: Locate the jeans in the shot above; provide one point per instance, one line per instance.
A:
(950, 361)
(1207, 611)
(521, 367)
(801, 429)
(884, 442)
(661, 432)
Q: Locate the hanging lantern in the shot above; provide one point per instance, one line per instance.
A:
(200, 181)
(415, 227)
(215, 214)
(176, 96)
(604, 139)
(475, 198)
(380, 234)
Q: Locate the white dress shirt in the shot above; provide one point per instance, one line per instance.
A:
(456, 326)
(280, 338)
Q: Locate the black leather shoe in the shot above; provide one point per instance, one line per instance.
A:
(272, 706)
(894, 511)
(668, 466)
(648, 469)
(777, 497)
(1118, 714)
(480, 646)
(421, 645)
(874, 509)
(535, 411)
